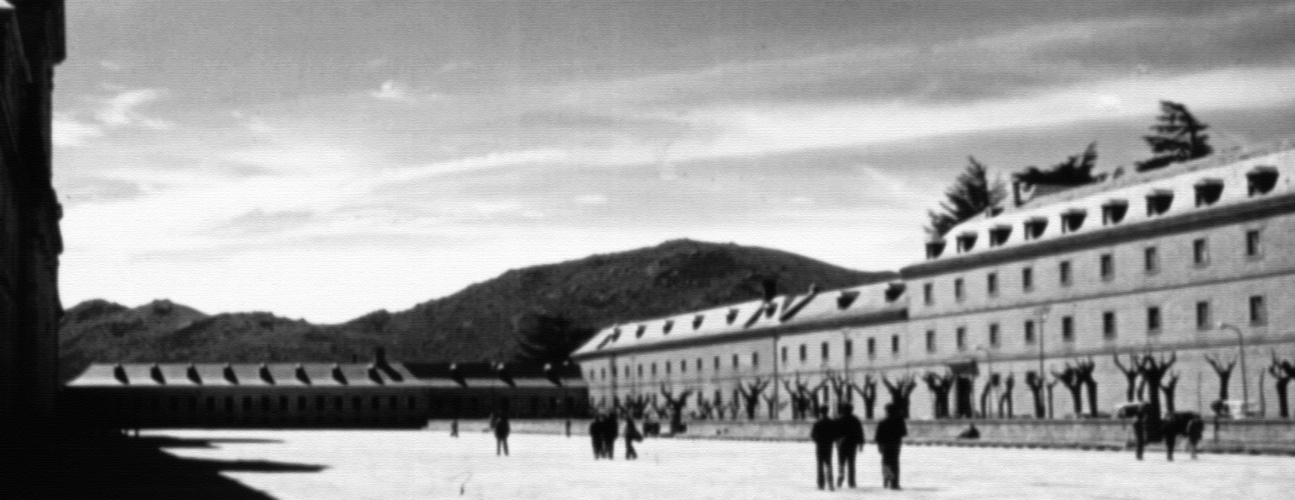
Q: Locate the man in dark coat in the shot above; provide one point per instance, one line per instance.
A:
(631, 435)
(851, 442)
(1139, 432)
(611, 428)
(596, 435)
(502, 429)
(825, 434)
(890, 436)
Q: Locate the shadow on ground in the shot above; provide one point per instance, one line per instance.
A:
(115, 466)
(175, 442)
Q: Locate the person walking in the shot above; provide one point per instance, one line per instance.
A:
(609, 431)
(454, 428)
(851, 442)
(890, 436)
(596, 435)
(825, 434)
(632, 435)
(502, 429)
(1139, 432)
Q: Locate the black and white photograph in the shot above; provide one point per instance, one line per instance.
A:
(642, 249)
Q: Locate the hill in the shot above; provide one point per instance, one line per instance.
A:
(556, 306)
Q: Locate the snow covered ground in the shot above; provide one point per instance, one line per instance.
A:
(426, 464)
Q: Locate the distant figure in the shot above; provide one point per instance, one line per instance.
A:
(632, 435)
(1195, 430)
(890, 436)
(454, 428)
(609, 431)
(1139, 432)
(825, 434)
(851, 442)
(971, 433)
(568, 427)
(501, 435)
(596, 435)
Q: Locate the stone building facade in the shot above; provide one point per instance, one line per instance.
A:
(1074, 289)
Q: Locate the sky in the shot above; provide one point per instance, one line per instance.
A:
(324, 159)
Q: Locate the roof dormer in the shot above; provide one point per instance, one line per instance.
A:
(966, 241)
(1159, 201)
(1072, 219)
(1034, 227)
(1208, 191)
(1113, 211)
(934, 249)
(1261, 180)
(999, 234)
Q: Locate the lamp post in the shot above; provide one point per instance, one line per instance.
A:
(989, 377)
(1241, 350)
(1041, 312)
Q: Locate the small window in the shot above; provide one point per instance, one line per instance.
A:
(640, 331)
(667, 367)
(1113, 212)
(1200, 252)
(849, 348)
(1203, 315)
(846, 298)
(735, 362)
(1108, 324)
(667, 326)
(1261, 180)
(1159, 201)
(683, 366)
(894, 344)
(928, 293)
(1208, 192)
(784, 354)
(999, 234)
(755, 360)
(872, 347)
(957, 289)
(1258, 311)
(825, 351)
(1107, 262)
(966, 242)
(1027, 278)
(991, 284)
(1035, 227)
(1029, 332)
(1254, 243)
(934, 249)
(804, 353)
(731, 316)
(699, 365)
(697, 321)
(653, 368)
(930, 341)
(640, 370)
(960, 338)
(993, 335)
(1067, 329)
(1153, 320)
(716, 363)
(1063, 271)
(1072, 220)
(1150, 260)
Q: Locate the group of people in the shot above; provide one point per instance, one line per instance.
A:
(845, 434)
(603, 432)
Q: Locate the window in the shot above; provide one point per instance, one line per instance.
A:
(683, 366)
(1150, 260)
(1153, 320)
(1107, 266)
(824, 349)
(999, 234)
(1200, 252)
(716, 363)
(653, 368)
(1063, 270)
(930, 341)
(1108, 324)
(1203, 315)
(966, 242)
(957, 289)
(1035, 227)
(1258, 311)
(894, 344)
(804, 353)
(1072, 220)
(1159, 201)
(1027, 278)
(1208, 192)
(991, 283)
(1113, 212)
(960, 338)
(1067, 329)
(667, 367)
(1029, 332)
(755, 360)
(667, 326)
(1261, 180)
(699, 366)
(784, 354)
(934, 249)
(1254, 243)
(640, 370)
(928, 293)
(872, 347)
(993, 335)
(849, 348)
(735, 362)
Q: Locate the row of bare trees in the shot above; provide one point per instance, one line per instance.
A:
(1149, 378)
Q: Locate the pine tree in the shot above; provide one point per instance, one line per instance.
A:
(1178, 137)
(1075, 171)
(548, 337)
(970, 194)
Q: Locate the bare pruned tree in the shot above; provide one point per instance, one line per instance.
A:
(676, 404)
(1084, 373)
(1035, 383)
(940, 385)
(1006, 399)
(751, 395)
(1069, 377)
(1168, 387)
(1224, 371)
(899, 392)
(868, 392)
(1130, 374)
(1282, 372)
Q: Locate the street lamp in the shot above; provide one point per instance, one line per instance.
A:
(1041, 312)
(1241, 349)
(989, 377)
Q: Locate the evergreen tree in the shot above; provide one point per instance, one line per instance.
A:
(548, 337)
(971, 193)
(1075, 171)
(1178, 137)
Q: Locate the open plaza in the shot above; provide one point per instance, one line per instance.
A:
(355, 464)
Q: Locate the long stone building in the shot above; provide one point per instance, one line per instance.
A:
(1176, 284)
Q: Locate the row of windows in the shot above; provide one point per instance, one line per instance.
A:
(1257, 311)
(1260, 181)
(267, 403)
(1106, 267)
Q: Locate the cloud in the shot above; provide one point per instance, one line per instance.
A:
(69, 131)
(394, 91)
(122, 110)
(591, 199)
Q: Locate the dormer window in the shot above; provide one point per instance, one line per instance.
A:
(846, 298)
(966, 242)
(894, 291)
(1034, 227)
(640, 331)
(731, 316)
(696, 321)
(1159, 201)
(934, 249)
(669, 325)
(1113, 211)
(999, 234)
(1072, 220)
(1261, 179)
(770, 310)
(1208, 191)
(616, 335)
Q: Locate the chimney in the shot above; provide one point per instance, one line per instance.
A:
(1016, 193)
(770, 286)
(379, 357)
